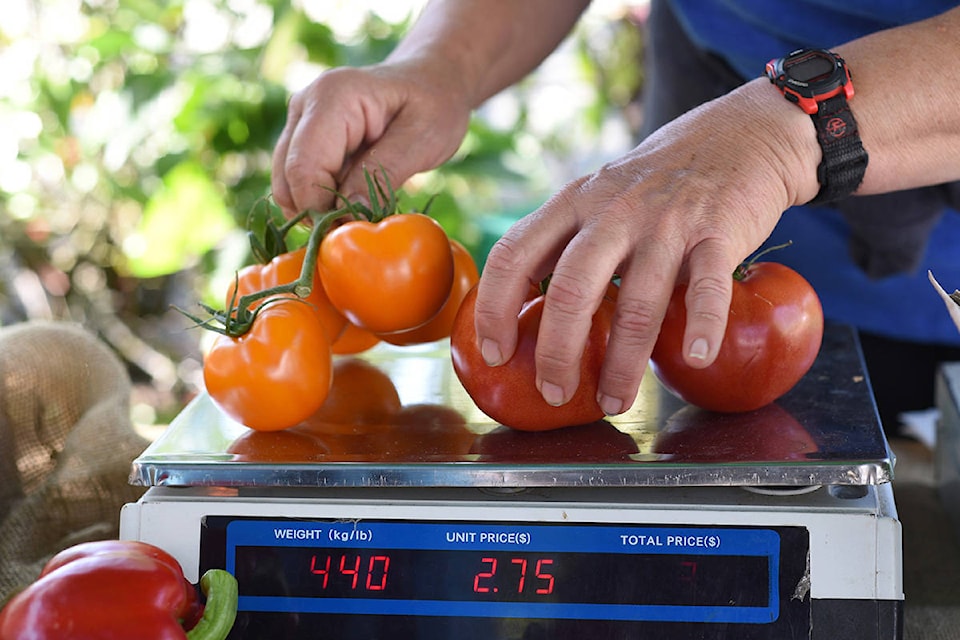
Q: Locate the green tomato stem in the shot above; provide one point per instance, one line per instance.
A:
(741, 271)
(238, 318)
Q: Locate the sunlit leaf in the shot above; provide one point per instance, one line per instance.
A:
(183, 220)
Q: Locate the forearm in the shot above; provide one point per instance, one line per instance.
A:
(907, 103)
(479, 47)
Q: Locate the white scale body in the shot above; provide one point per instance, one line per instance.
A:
(651, 538)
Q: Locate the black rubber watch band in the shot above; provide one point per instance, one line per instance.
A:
(844, 159)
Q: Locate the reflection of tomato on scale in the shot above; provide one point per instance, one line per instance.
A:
(769, 433)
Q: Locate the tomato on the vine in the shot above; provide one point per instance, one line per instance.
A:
(354, 340)
(276, 374)
(285, 269)
(508, 393)
(387, 276)
(773, 335)
(465, 277)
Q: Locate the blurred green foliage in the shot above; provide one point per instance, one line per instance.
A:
(136, 137)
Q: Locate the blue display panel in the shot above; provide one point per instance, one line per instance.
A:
(597, 572)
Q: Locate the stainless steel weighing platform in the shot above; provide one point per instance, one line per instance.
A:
(666, 521)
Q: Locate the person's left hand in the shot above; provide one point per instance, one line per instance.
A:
(691, 202)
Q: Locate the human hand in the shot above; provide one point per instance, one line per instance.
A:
(688, 204)
(395, 116)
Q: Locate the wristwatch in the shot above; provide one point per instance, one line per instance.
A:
(818, 81)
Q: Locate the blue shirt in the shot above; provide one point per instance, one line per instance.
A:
(748, 33)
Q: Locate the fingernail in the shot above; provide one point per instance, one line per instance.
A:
(490, 351)
(699, 349)
(611, 406)
(552, 394)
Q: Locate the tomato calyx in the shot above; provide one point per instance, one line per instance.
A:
(242, 311)
(381, 196)
(744, 267)
(268, 240)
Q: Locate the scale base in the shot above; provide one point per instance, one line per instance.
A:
(839, 552)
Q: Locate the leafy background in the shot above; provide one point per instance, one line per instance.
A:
(136, 136)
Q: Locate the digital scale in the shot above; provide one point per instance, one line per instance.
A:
(665, 522)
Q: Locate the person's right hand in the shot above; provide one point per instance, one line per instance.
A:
(391, 116)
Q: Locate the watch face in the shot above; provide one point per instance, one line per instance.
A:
(811, 73)
(811, 70)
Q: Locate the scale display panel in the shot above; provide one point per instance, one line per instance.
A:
(415, 578)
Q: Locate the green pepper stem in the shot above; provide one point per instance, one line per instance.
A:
(220, 612)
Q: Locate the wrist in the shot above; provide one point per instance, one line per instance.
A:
(789, 135)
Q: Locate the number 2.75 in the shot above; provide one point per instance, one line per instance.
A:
(514, 578)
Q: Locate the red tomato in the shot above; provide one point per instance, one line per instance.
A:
(284, 269)
(275, 375)
(773, 336)
(508, 393)
(389, 276)
(465, 277)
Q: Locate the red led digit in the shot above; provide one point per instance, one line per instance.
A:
(547, 577)
(355, 571)
(384, 564)
(325, 571)
(523, 572)
(689, 573)
(485, 575)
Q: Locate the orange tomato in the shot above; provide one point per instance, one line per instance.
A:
(275, 375)
(465, 276)
(354, 340)
(388, 276)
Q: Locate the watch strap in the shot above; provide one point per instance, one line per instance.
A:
(844, 159)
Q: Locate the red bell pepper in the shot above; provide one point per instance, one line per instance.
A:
(118, 590)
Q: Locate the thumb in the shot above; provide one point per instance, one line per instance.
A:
(405, 149)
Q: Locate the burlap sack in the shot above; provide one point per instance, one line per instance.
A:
(66, 444)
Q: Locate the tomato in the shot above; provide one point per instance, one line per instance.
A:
(508, 393)
(768, 434)
(595, 442)
(354, 340)
(773, 335)
(361, 395)
(275, 375)
(284, 269)
(465, 277)
(389, 276)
